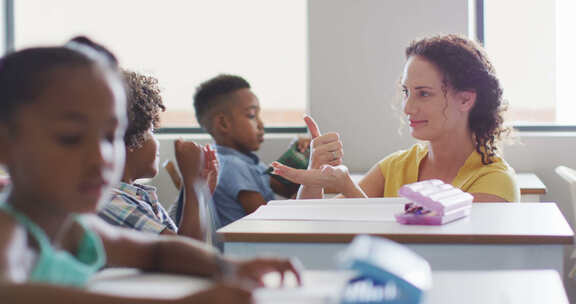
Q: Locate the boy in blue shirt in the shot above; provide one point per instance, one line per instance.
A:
(228, 109)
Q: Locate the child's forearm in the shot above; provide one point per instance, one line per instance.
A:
(186, 256)
(47, 294)
(189, 224)
(156, 253)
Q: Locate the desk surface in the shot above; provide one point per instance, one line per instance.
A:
(529, 183)
(493, 223)
(474, 287)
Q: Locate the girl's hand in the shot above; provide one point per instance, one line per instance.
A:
(324, 149)
(255, 269)
(220, 294)
(189, 156)
(211, 168)
(333, 177)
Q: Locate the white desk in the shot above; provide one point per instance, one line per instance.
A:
(531, 187)
(478, 287)
(497, 236)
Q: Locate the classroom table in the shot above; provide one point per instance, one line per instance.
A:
(496, 236)
(449, 287)
(531, 187)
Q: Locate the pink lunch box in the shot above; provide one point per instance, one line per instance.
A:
(432, 202)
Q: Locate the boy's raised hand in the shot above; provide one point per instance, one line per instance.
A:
(196, 161)
(325, 149)
(190, 158)
(211, 167)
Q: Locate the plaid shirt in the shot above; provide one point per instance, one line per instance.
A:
(136, 206)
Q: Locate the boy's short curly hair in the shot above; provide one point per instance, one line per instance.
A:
(144, 107)
(208, 96)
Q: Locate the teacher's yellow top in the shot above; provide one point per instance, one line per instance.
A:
(497, 178)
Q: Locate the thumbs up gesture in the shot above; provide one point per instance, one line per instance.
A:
(327, 176)
(325, 169)
(324, 149)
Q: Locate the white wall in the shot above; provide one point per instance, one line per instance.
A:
(356, 52)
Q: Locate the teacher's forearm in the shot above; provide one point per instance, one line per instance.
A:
(354, 192)
(310, 192)
(351, 190)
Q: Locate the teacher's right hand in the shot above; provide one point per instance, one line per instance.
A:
(325, 149)
(327, 176)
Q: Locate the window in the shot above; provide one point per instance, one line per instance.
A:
(183, 43)
(532, 45)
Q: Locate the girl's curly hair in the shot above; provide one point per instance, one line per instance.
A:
(144, 107)
(466, 67)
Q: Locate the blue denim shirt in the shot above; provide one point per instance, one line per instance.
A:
(238, 172)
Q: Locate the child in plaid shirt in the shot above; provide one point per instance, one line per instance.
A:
(136, 206)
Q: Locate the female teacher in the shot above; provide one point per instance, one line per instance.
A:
(452, 101)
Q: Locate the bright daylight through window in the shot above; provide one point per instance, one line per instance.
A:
(183, 43)
(532, 45)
